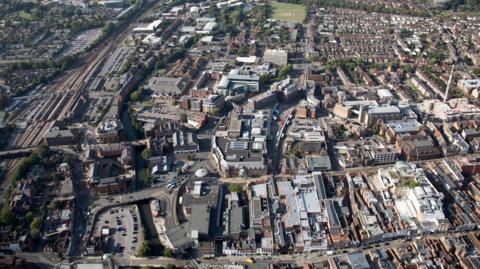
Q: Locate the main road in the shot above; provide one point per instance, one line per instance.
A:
(376, 167)
(317, 257)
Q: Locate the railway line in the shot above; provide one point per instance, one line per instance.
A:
(56, 101)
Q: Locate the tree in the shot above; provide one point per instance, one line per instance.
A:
(126, 66)
(476, 71)
(35, 226)
(3, 101)
(216, 111)
(179, 171)
(42, 152)
(36, 223)
(6, 216)
(146, 154)
(53, 205)
(135, 96)
(184, 117)
(168, 252)
(67, 157)
(468, 61)
(148, 180)
(235, 187)
(284, 71)
(407, 68)
(144, 250)
(265, 79)
(29, 217)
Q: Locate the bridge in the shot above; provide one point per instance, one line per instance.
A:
(16, 153)
(23, 152)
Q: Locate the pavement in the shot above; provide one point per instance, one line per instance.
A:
(219, 262)
(39, 259)
(375, 168)
(316, 257)
(114, 201)
(124, 225)
(151, 261)
(83, 198)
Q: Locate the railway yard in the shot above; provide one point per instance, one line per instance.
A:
(65, 99)
(240, 134)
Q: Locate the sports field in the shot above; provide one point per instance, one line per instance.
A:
(288, 12)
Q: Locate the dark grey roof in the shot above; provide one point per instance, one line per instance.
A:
(320, 186)
(332, 214)
(209, 198)
(59, 133)
(234, 153)
(179, 236)
(236, 220)
(200, 219)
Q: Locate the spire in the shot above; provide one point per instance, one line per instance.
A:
(448, 85)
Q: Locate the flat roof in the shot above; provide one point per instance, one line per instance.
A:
(319, 161)
(319, 185)
(235, 125)
(236, 219)
(200, 219)
(384, 110)
(332, 213)
(90, 266)
(178, 235)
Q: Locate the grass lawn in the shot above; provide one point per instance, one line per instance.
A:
(288, 12)
(25, 15)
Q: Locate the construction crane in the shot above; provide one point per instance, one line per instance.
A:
(448, 85)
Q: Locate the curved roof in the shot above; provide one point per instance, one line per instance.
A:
(201, 172)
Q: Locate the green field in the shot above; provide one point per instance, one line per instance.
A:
(25, 15)
(288, 12)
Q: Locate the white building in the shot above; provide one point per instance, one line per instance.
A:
(415, 199)
(470, 87)
(147, 29)
(276, 56)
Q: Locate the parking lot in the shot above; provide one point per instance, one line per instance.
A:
(121, 229)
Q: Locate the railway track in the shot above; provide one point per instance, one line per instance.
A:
(58, 99)
(64, 95)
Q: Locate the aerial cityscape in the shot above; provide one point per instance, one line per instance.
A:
(239, 134)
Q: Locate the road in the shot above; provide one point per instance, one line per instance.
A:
(321, 256)
(38, 259)
(151, 261)
(106, 202)
(219, 262)
(83, 198)
(375, 168)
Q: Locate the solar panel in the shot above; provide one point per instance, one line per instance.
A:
(239, 145)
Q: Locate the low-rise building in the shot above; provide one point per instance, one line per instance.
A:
(213, 103)
(108, 131)
(57, 137)
(167, 87)
(288, 88)
(239, 148)
(276, 56)
(184, 142)
(238, 81)
(415, 197)
(262, 100)
(470, 87)
(417, 147)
